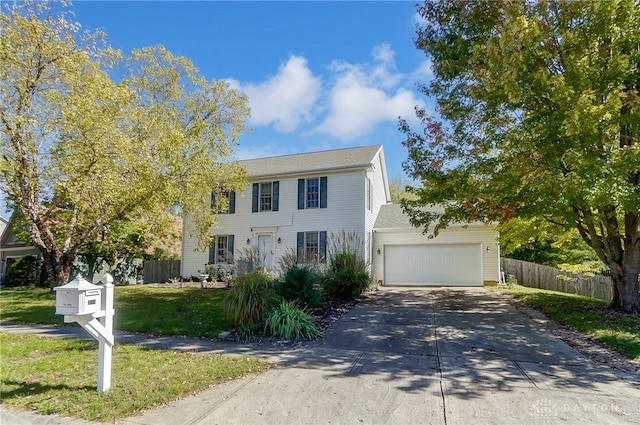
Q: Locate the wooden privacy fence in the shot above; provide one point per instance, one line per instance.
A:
(543, 277)
(156, 271)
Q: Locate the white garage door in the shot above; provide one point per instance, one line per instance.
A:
(451, 265)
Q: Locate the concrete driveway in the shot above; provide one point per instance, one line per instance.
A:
(421, 356)
(410, 356)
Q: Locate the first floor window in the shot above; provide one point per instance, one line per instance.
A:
(312, 247)
(221, 250)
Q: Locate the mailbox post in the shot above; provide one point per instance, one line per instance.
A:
(104, 348)
(92, 307)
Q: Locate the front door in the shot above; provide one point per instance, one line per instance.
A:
(265, 251)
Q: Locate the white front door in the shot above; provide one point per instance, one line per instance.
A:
(265, 251)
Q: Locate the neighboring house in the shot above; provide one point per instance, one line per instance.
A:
(3, 225)
(293, 204)
(11, 249)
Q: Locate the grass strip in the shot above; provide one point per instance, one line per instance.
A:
(139, 308)
(588, 315)
(59, 376)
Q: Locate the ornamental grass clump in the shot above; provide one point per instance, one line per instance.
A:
(347, 276)
(289, 321)
(248, 300)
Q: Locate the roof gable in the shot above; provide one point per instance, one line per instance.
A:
(312, 162)
(7, 238)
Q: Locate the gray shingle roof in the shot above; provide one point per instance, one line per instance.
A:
(391, 216)
(308, 163)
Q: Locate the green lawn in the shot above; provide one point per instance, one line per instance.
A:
(139, 308)
(58, 376)
(588, 315)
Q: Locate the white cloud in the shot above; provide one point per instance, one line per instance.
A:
(356, 98)
(363, 95)
(286, 99)
(424, 72)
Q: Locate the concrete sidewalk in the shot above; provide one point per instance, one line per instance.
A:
(405, 356)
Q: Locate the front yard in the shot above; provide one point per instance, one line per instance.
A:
(58, 376)
(139, 308)
(589, 316)
(51, 375)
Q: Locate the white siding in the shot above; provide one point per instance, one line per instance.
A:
(379, 191)
(484, 236)
(345, 211)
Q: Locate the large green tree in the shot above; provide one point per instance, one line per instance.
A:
(538, 116)
(91, 136)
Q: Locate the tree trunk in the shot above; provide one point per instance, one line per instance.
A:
(93, 263)
(626, 288)
(58, 268)
(625, 292)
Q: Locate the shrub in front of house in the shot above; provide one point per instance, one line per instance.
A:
(287, 320)
(300, 283)
(249, 298)
(24, 272)
(345, 284)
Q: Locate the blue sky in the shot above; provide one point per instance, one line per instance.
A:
(319, 75)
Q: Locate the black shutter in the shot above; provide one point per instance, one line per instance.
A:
(232, 202)
(275, 196)
(300, 194)
(212, 252)
(300, 248)
(230, 247)
(213, 202)
(323, 192)
(323, 247)
(254, 197)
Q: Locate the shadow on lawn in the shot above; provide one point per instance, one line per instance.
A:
(29, 389)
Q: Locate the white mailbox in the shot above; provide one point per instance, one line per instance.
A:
(78, 297)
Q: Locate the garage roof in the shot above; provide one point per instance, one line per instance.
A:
(392, 217)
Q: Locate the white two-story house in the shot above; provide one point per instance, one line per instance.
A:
(293, 203)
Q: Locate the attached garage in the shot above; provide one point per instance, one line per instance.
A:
(433, 265)
(461, 255)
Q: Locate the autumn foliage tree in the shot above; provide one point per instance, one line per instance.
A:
(538, 118)
(91, 136)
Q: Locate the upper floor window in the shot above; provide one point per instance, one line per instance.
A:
(224, 202)
(312, 193)
(367, 192)
(265, 196)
